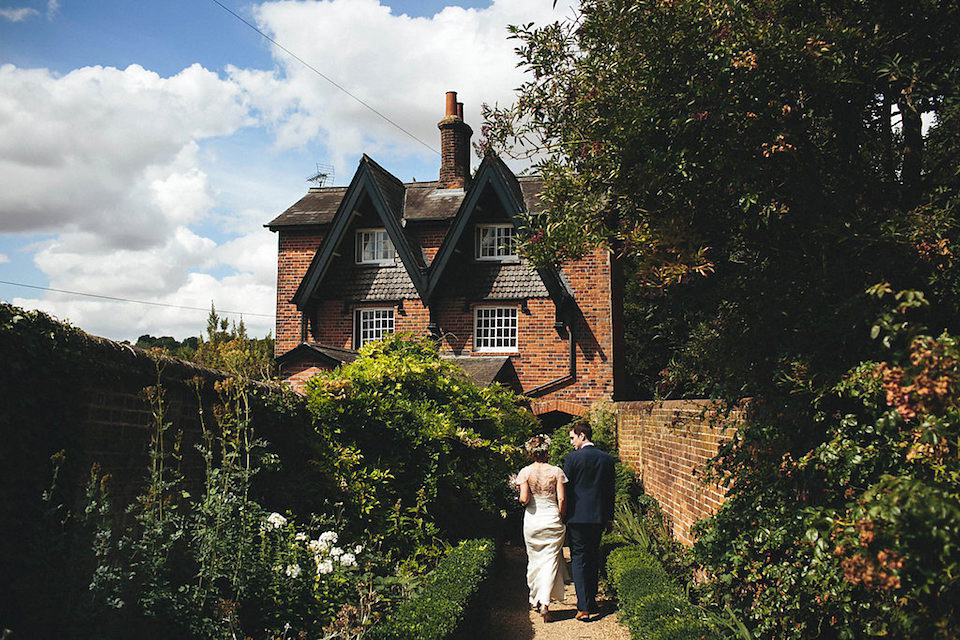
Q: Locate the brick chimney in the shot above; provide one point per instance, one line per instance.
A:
(454, 146)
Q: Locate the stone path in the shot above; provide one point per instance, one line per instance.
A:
(507, 614)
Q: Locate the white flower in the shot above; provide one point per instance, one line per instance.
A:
(276, 520)
(328, 538)
(315, 547)
(293, 570)
(348, 560)
(324, 567)
(300, 537)
(336, 552)
(358, 549)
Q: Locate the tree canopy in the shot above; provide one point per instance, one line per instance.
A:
(780, 180)
(764, 161)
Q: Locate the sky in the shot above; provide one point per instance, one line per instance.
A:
(144, 144)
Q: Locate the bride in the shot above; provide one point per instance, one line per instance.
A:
(542, 491)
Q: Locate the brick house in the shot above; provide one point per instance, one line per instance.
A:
(439, 258)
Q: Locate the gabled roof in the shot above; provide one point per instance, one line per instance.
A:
(397, 204)
(492, 174)
(386, 193)
(321, 354)
(485, 370)
(317, 207)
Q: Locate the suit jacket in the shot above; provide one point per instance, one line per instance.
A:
(590, 486)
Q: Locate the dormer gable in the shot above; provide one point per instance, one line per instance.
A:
(495, 199)
(374, 201)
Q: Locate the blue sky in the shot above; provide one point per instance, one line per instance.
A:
(144, 144)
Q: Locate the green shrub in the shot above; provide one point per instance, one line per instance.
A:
(682, 627)
(648, 612)
(416, 450)
(438, 609)
(651, 603)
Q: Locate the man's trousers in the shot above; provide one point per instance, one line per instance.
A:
(585, 560)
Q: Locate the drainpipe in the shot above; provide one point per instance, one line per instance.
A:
(572, 375)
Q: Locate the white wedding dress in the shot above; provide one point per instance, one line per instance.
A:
(543, 533)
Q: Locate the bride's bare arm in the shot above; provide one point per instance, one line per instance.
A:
(561, 499)
(524, 492)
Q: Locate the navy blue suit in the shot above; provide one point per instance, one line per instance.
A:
(590, 494)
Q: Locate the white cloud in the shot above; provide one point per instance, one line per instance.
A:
(18, 15)
(399, 66)
(91, 150)
(119, 165)
(4, 258)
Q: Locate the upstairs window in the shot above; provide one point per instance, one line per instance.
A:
(372, 324)
(374, 246)
(495, 329)
(496, 242)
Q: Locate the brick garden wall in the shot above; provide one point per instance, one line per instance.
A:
(668, 444)
(97, 413)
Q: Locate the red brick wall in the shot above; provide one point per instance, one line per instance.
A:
(668, 444)
(431, 239)
(295, 252)
(591, 280)
(543, 354)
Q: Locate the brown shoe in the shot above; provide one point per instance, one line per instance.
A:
(583, 615)
(546, 615)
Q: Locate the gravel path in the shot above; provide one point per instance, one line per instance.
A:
(508, 616)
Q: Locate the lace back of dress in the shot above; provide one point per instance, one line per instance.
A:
(543, 482)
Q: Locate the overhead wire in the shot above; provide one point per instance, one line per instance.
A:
(308, 66)
(321, 74)
(116, 299)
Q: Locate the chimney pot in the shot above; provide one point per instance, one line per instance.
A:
(451, 103)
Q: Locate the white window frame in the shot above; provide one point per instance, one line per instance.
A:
(380, 321)
(496, 329)
(382, 251)
(503, 245)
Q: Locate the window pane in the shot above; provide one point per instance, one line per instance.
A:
(375, 246)
(495, 328)
(495, 241)
(374, 324)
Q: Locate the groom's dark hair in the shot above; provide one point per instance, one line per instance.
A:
(582, 426)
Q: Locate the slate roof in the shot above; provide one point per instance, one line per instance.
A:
(492, 281)
(347, 281)
(322, 354)
(315, 208)
(485, 370)
(421, 201)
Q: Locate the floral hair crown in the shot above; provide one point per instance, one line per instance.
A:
(537, 444)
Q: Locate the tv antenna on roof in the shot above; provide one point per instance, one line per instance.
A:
(324, 173)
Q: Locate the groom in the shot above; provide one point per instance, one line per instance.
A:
(590, 490)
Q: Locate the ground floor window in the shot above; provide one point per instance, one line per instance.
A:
(495, 329)
(372, 324)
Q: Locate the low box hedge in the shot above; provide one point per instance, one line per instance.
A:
(436, 611)
(651, 604)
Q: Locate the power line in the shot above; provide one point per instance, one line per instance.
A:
(154, 304)
(321, 74)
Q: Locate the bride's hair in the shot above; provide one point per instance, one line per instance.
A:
(538, 447)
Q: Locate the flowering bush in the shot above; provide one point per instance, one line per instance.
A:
(311, 580)
(857, 534)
